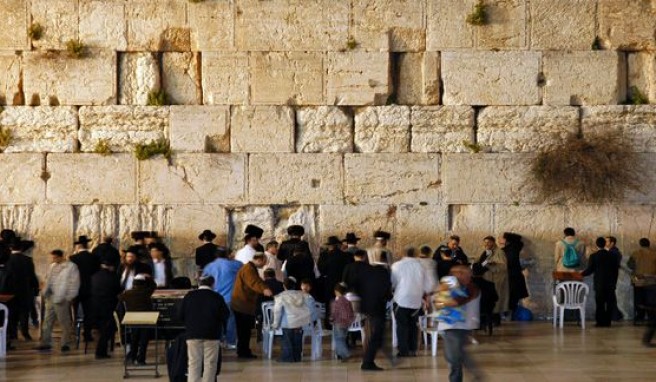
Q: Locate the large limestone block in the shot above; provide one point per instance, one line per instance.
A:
(13, 29)
(256, 129)
(193, 179)
(57, 79)
(157, 25)
(181, 78)
(187, 222)
(399, 25)
(291, 78)
(17, 218)
(323, 129)
(447, 27)
(200, 129)
(631, 225)
(635, 124)
(363, 220)
(140, 217)
(212, 25)
(96, 221)
(642, 74)
(591, 221)
(122, 127)
(382, 129)
(59, 19)
(441, 128)
(358, 78)
(472, 222)
(22, 183)
(283, 25)
(102, 24)
(225, 78)
(562, 24)
(40, 129)
(392, 178)
(91, 178)
(10, 75)
(303, 178)
(418, 225)
(487, 178)
(485, 78)
(505, 27)
(526, 129)
(584, 78)
(138, 76)
(418, 79)
(51, 227)
(627, 25)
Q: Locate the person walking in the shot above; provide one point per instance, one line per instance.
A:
(375, 291)
(87, 265)
(605, 266)
(105, 288)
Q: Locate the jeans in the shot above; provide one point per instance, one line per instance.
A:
(231, 330)
(407, 331)
(292, 345)
(62, 312)
(456, 354)
(339, 336)
(375, 332)
(203, 358)
(244, 323)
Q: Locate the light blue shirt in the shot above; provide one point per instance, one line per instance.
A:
(224, 272)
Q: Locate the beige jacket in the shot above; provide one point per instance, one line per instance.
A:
(498, 274)
(560, 252)
(644, 261)
(62, 282)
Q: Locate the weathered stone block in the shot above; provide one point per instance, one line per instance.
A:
(323, 129)
(123, 127)
(189, 221)
(363, 220)
(627, 25)
(138, 76)
(200, 129)
(374, 178)
(505, 27)
(22, 183)
(562, 24)
(102, 24)
(490, 178)
(472, 223)
(135, 217)
(418, 225)
(38, 129)
(418, 79)
(307, 179)
(225, 78)
(212, 25)
(91, 178)
(181, 78)
(642, 74)
(291, 78)
(17, 218)
(256, 129)
(635, 124)
(646, 194)
(10, 73)
(631, 225)
(590, 222)
(279, 25)
(441, 128)
(157, 26)
(447, 26)
(483, 78)
(584, 78)
(526, 129)
(59, 80)
(382, 129)
(96, 221)
(51, 227)
(13, 31)
(358, 78)
(59, 19)
(402, 23)
(193, 179)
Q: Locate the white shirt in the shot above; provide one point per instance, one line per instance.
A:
(127, 277)
(409, 282)
(273, 263)
(245, 254)
(430, 267)
(159, 273)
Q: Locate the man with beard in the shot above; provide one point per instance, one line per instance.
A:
(294, 243)
(252, 235)
(132, 267)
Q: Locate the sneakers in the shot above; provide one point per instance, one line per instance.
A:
(371, 367)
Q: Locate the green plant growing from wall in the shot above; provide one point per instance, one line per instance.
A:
(5, 139)
(636, 97)
(472, 147)
(149, 150)
(35, 31)
(479, 14)
(196, 1)
(76, 49)
(157, 98)
(351, 43)
(102, 147)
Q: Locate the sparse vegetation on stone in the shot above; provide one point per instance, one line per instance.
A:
(35, 31)
(157, 98)
(473, 147)
(102, 147)
(76, 49)
(196, 1)
(149, 150)
(478, 15)
(636, 97)
(351, 43)
(596, 44)
(5, 139)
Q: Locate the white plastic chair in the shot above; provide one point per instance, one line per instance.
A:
(569, 295)
(268, 332)
(390, 310)
(3, 331)
(356, 326)
(316, 333)
(431, 331)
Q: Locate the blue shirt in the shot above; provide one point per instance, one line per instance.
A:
(224, 272)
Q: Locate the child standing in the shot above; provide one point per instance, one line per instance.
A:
(342, 316)
(291, 312)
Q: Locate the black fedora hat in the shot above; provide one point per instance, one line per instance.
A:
(333, 240)
(351, 238)
(253, 230)
(82, 240)
(7, 235)
(207, 235)
(138, 235)
(382, 235)
(295, 230)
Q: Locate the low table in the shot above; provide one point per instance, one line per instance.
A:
(140, 320)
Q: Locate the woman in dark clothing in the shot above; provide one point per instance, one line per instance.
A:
(512, 246)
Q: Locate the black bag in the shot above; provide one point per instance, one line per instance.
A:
(177, 361)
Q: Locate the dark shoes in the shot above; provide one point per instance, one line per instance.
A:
(247, 356)
(371, 367)
(102, 356)
(406, 355)
(43, 347)
(65, 349)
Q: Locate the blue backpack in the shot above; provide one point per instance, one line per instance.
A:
(571, 257)
(522, 314)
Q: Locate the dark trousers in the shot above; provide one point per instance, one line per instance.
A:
(456, 355)
(605, 305)
(639, 299)
(407, 331)
(650, 331)
(292, 345)
(245, 323)
(107, 327)
(85, 302)
(375, 330)
(138, 344)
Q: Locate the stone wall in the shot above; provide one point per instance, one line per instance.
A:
(340, 115)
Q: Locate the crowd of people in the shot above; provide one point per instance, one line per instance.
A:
(352, 283)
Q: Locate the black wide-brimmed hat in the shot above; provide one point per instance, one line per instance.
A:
(138, 235)
(351, 238)
(253, 230)
(82, 240)
(382, 235)
(207, 235)
(295, 230)
(7, 235)
(333, 240)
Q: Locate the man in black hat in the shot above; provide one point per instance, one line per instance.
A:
(132, 267)
(376, 252)
(206, 253)
(7, 236)
(294, 243)
(87, 265)
(142, 252)
(252, 237)
(105, 288)
(23, 283)
(105, 251)
(332, 263)
(351, 241)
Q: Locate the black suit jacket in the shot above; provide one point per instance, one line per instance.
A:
(205, 254)
(331, 266)
(458, 257)
(605, 266)
(105, 251)
(354, 274)
(105, 288)
(87, 264)
(138, 268)
(288, 247)
(375, 290)
(23, 281)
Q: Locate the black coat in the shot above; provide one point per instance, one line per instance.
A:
(107, 252)
(138, 268)
(489, 296)
(87, 265)
(354, 274)
(105, 288)
(331, 267)
(300, 267)
(138, 299)
(22, 281)
(288, 247)
(375, 290)
(458, 257)
(168, 271)
(605, 266)
(516, 282)
(205, 254)
(204, 314)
